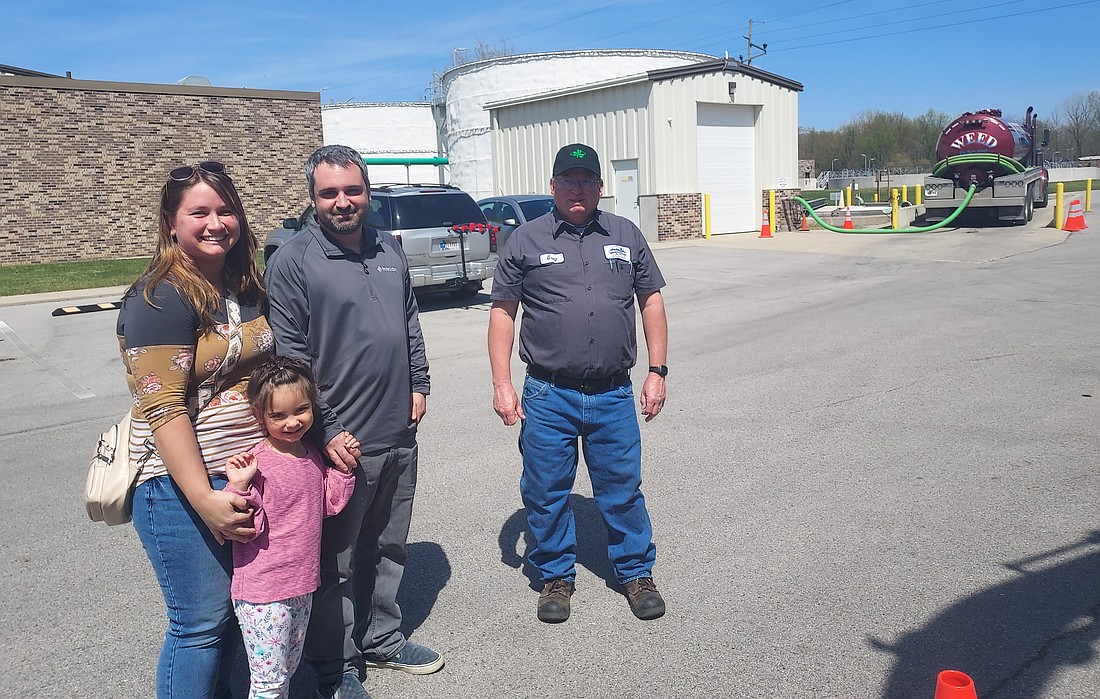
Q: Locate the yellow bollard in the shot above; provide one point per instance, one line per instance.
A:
(706, 216)
(771, 211)
(894, 208)
(848, 196)
(876, 197)
(905, 192)
(1088, 194)
(918, 191)
(1059, 193)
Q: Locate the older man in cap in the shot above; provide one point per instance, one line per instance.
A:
(577, 271)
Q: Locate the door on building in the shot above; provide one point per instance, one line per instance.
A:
(727, 165)
(626, 189)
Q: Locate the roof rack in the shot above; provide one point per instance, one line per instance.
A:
(388, 186)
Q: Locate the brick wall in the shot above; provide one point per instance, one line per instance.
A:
(679, 216)
(788, 212)
(82, 162)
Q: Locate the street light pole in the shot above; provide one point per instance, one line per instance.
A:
(864, 161)
(833, 166)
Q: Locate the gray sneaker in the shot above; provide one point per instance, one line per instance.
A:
(349, 687)
(414, 659)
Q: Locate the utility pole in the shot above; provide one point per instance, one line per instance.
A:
(763, 49)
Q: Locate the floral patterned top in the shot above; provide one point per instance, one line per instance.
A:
(167, 359)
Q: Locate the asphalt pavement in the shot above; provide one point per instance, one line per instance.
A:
(878, 460)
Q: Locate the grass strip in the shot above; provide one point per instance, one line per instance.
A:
(44, 277)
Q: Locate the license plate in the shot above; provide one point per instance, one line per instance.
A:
(446, 244)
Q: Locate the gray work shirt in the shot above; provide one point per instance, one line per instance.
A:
(577, 292)
(354, 318)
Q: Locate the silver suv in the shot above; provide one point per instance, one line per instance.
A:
(429, 221)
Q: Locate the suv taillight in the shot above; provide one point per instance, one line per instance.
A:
(492, 240)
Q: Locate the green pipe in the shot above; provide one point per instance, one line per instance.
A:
(405, 161)
(1010, 164)
(925, 229)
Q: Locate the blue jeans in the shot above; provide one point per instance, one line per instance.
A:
(194, 572)
(606, 426)
(363, 552)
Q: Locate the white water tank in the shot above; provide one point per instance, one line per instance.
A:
(386, 129)
(463, 91)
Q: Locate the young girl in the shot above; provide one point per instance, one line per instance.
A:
(290, 490)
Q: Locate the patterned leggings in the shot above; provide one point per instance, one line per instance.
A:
(274, 633)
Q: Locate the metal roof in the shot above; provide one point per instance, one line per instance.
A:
(12, 70)
(724, 64)
(702, 68)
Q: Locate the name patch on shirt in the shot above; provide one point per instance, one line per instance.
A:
(552, 258)
(616, 252)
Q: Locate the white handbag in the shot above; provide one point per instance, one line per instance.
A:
(109, 488)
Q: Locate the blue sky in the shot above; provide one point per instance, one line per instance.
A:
(851, 55)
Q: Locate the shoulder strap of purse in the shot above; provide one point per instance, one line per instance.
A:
(209, 388)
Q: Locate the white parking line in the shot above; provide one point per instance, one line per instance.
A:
(74, 388)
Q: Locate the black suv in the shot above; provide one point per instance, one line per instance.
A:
(428, 220)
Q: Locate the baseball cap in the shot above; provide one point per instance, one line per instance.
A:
(576, 155)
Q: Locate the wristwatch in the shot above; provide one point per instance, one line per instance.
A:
(661, 370)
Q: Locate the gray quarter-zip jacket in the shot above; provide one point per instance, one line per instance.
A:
(353, 317)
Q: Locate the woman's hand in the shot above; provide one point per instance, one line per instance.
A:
(227, 515)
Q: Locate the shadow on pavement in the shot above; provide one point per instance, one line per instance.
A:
(591, 542)
(427, 571)
(1013, 637)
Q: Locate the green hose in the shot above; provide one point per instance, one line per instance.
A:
(926, 229)
(1011, 164)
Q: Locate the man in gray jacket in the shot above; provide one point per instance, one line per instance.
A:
(341, 299)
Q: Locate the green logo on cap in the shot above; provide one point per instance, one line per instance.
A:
(578, 153)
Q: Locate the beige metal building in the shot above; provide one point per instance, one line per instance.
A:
(666, 138)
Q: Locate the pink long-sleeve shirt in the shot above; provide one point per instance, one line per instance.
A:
(290, 495)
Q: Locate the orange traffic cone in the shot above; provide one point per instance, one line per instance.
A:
(952, 684)
(1075, 219)
(848, 219)
(805, 223)
(766, 227)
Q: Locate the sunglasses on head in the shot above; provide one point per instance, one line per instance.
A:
(210, 167)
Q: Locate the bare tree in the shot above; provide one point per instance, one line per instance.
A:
(1081, 118)
(481, 51)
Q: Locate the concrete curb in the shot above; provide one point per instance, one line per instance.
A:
(112, 292)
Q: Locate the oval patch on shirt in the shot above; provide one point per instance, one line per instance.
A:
(552, 258)
(616, 252)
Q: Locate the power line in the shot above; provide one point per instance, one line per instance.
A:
(894, 10)
(983, 20)
(860, 28)
(805, 12)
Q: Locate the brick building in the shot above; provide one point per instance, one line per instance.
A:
(82, 162)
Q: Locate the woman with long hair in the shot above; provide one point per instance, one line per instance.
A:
(191, 329)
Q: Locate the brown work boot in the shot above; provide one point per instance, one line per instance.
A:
(554, 601)
(645, 601)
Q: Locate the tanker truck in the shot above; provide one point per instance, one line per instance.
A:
(1001, 158)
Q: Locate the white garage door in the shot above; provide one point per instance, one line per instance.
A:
(727, 166)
